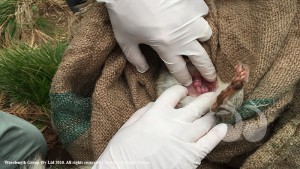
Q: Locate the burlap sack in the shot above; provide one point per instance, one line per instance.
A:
(95, 90)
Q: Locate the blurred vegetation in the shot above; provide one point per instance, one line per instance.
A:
(33, 35)
(32, 42)
(8, 25)
(25, 21)
(26, 73)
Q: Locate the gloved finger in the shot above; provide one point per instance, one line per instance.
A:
(137, 115)
(204, 29)
(198, 107)
(172, 95)
(201, 30)
(177, 67)
(106, 1)
(199, 128)
(134, 55)
(201, 60)
(208, 142)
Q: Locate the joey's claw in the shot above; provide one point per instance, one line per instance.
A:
(241, 73)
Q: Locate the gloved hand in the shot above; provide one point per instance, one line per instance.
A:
(170, 27)
(161, 137)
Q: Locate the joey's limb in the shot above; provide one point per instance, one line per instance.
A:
(237, 84)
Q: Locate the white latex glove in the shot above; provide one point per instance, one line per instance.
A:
(161, 137)
(170, 27)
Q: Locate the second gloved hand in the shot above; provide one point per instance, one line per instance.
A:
(161, 137)
(170, 27)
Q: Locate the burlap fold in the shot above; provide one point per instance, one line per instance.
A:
(95, 90)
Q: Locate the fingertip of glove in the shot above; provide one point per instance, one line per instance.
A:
(210, 95)
(211, 78)
(221, 130)
(188, 82)
(142, 69)
(207, 34)
(179, 88)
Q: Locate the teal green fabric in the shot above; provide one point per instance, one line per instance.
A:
(19, 140)
(71, 115)
(251, 108)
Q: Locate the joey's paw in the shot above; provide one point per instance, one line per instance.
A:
(241, 76)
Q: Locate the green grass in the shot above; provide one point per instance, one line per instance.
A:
(8, 25)
(26, 73)
(45, 26)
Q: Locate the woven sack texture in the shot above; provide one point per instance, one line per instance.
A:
(95, 90)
